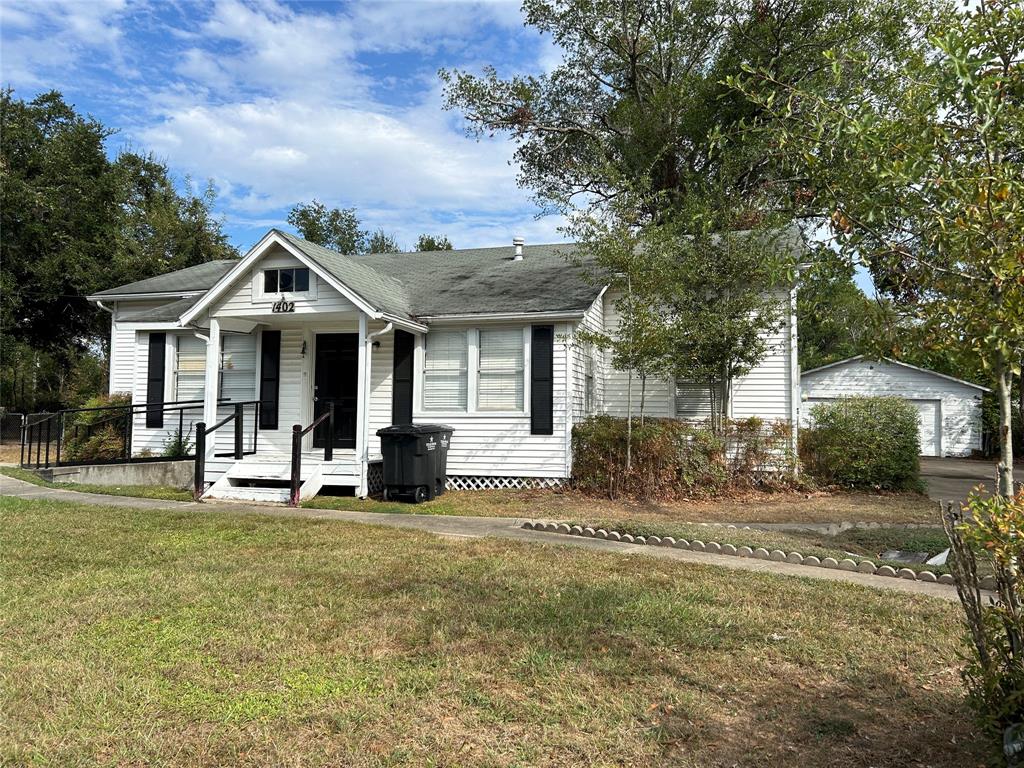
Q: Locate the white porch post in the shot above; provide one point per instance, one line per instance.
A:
(212, 383)
(362, 406)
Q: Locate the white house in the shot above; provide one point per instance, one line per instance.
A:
(479, 339)
(949, 409)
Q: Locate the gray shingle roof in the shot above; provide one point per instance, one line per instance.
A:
(426, 284)
(165, 313)
(200, 277)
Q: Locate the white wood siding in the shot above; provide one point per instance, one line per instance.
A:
(658, 395)
(593, 320)
(766, 392)
(242, 297)
(122, 358)
(500, 445)
(959, 405)
(382, 360)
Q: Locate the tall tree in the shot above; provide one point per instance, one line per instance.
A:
(836, 320)
(635, 132)
(433, 243)
(926, 185)
(336, 228)
(382, 242)
(74, 223)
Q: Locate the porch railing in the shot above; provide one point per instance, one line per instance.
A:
(47, 434)
(298, 432)
(237, 418)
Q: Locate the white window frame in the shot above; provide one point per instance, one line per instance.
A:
(473, 374)
(259, 295)
(522, 372)
(174, 364)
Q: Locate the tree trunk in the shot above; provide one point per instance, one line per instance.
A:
(643, 396)
(629, 422)
(1004, 383)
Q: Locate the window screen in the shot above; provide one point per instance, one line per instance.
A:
(445, 371)
(500, 386)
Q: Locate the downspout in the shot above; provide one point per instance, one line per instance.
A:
(110, 348)
(370, 339)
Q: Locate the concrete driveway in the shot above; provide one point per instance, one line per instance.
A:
(954, 478)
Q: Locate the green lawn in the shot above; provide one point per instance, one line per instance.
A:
(185, 638)
(141, 491)
(747, 508)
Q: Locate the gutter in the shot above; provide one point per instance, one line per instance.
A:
(552, 315)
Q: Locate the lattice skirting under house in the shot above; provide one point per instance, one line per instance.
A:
(375, 478)
(491, 483)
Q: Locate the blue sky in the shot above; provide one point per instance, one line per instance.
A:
(280, 102)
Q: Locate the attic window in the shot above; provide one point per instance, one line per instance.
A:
(290, 280)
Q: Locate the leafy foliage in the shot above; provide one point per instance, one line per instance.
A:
(74, 223)
(863, 442)
(97, 435)
(380, 241)
(336, 228)
(834, 317)
(433, 243)
(673, 458)
(923, 181)
(994, 673)
(178, 445)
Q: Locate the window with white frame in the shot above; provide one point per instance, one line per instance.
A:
(500, 385)
(189, 368)
(445, 371)
(238, 367)
(588, 379)
(286, 280)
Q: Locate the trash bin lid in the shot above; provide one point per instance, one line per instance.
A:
(414, 429)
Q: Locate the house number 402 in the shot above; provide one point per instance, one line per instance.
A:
(282, 306)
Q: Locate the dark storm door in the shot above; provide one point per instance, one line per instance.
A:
(336, 380)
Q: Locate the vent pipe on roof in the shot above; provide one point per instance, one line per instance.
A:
(518, 242)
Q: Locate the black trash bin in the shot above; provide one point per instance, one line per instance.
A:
(415, 460)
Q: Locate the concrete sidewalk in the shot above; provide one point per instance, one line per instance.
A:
(481, 527)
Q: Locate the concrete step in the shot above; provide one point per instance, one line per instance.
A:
(242, 493)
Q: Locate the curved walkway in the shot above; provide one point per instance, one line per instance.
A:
(480, 527)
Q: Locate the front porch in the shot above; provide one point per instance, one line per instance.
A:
(318, 380)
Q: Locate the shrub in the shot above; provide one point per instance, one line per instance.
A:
(994, 672)
(672, 458)
(97, 435)
(863, 442)
(178, 445)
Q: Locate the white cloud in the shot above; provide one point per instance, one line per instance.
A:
(40, 38)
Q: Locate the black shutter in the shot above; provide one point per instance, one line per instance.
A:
(270, 378)
(401, 395)
(542, 360)
(155, 380)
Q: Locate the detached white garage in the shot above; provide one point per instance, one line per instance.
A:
(950, 409)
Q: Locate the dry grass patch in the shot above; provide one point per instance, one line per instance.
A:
(172, 638)
(749, 508)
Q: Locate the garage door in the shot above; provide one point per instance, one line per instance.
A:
(930, 418)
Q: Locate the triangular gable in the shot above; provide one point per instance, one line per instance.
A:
(865, 358)
(242, 268)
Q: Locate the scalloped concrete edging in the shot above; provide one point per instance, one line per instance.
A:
(760, 553)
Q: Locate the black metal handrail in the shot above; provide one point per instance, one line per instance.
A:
(50, 430)
(237, 416)
(297, 434)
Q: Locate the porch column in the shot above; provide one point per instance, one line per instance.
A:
(212, 383)
(362, 406)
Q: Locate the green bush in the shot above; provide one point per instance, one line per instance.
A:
(991, 528)
(673, 458)
(97, 435)
(863, 442)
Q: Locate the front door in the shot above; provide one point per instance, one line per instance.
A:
(336, 380)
